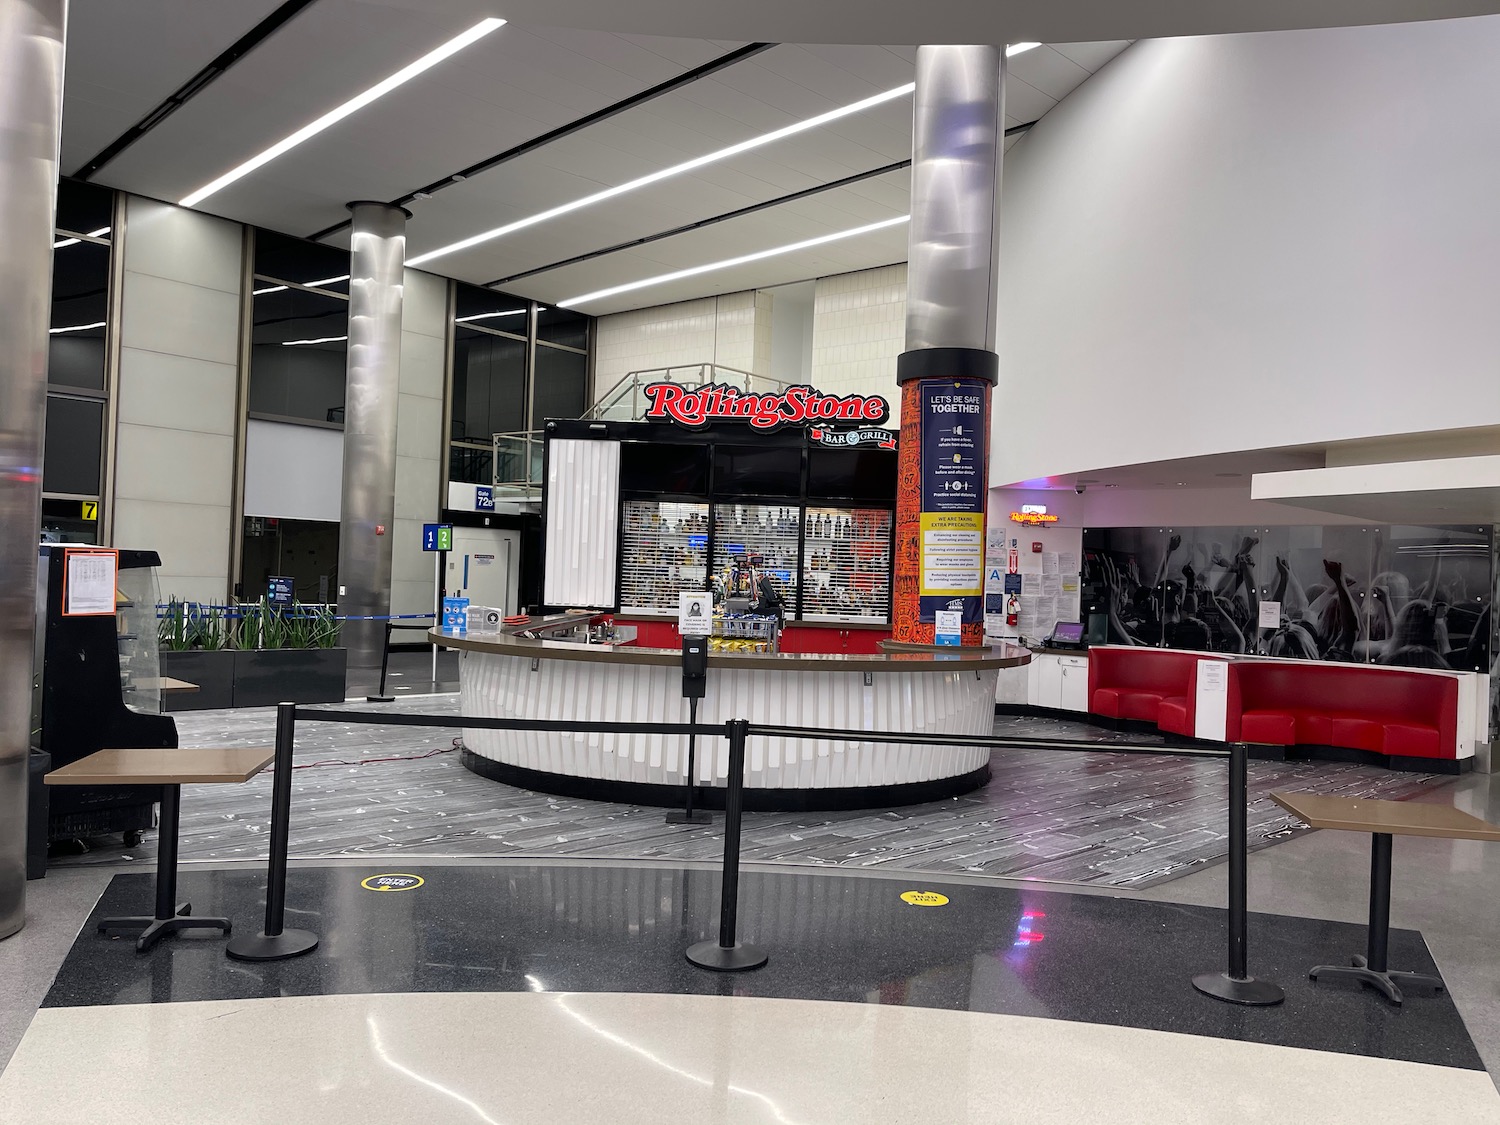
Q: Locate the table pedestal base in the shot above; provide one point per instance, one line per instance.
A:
(1386, 981)
(152, 929)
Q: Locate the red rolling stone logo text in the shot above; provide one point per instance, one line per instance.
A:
(699, 406)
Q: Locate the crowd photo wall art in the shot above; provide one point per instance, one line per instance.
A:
(1413, 597)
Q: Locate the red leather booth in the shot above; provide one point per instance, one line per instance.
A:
(1152, 685)
(1383, 710)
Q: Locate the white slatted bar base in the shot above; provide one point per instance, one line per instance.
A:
(927, 702)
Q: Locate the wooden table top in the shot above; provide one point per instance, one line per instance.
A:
(1399, 818)
(165, 766)
(170, 684)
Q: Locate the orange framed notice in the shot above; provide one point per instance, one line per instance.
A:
(90, 576)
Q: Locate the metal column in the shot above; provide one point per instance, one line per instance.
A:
(368, 508)
(31, 74)
(953, 256)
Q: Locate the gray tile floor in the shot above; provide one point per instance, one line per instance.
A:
(1110, 819)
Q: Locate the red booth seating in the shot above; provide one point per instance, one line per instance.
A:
(1152, 685)
(1383, 710)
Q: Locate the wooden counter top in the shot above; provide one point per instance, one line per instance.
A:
(955, 659)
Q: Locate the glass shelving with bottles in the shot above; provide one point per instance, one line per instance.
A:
(664, 550)
(847, 565)
(767, 530)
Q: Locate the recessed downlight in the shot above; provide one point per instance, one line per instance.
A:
(353, 105)
(694, 271)
(666, 173)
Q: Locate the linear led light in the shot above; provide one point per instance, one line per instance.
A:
(353, 105)
(1019, 48)
(60, 243)
(310, 285)
(667, 173)
(77, 327)
(487, 316)
(693, 271)
(318, 340)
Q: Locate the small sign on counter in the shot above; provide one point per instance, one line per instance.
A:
(947, 627)
(695, 614)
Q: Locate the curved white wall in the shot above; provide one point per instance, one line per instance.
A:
(1241, 242)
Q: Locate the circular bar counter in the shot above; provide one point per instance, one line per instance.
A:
(509, 676)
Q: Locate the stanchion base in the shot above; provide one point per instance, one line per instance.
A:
(260, 947)
(697, 816)
(152, 930)
(735, 959)
(1250, 992)
(380, 699)
(1388, 983)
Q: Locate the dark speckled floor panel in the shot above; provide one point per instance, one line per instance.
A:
(623, 928)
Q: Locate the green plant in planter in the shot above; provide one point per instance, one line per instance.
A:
(273, 626)
(242, 628)
(326, 633)
(171, 630)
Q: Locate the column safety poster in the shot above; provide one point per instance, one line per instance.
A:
(953, 499)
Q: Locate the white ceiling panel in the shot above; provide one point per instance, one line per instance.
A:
(1091, 56)
(1051, 72)
(123, 59)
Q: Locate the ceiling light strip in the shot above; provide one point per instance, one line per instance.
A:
(317, 340)
(100, 233)
(667, 173)
(727, 263)
(77, 327)
(1019, 49)
(714, 220)
(488, 315)
(686, 78)
(353, 105)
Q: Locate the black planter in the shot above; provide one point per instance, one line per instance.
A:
(213, 672)
(266, 677)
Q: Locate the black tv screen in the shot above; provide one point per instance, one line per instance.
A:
(757, 470)
(851, 474)
(654, 469)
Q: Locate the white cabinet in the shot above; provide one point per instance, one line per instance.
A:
(1058, 683)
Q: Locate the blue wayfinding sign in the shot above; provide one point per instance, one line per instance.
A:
(484, 498)
(437, 537)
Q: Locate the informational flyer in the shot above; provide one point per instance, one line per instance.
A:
(89, 579)
(953, 491)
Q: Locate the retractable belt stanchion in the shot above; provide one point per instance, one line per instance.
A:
(1237, 986)
(385, 663)
(726, 955)
(694, 687)
(275, 943)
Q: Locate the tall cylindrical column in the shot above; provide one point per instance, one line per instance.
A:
(368, 508)
(31, 74)
(950, 363)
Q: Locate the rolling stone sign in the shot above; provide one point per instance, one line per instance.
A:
(719, 402)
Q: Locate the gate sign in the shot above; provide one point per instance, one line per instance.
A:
(719, 402)
(437, 537)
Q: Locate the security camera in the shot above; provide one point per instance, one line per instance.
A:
(1078, 488)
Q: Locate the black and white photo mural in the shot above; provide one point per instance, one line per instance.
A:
(1415, 597)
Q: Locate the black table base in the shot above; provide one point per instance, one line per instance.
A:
(171, 916)
(1371, 969)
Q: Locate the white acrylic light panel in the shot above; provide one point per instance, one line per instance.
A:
(583, 513)
(293, 472)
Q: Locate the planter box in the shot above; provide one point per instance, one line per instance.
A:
(266, 677)
(213, 672)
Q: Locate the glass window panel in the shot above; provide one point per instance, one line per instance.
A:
(489, 386)
(299, 355)
(471, 463)
(84, 208)
(562, 326)
(75, 430)
(562, 385)
(63, 522)
(294, 259)
(80, 304)
(485, 308)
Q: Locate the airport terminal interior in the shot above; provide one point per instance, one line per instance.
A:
(778, 564)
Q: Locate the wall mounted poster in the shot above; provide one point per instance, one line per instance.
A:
(953, 499)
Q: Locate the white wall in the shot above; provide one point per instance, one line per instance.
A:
(1242, 242)
(420, 475)
(733, 330)
(792, 331)
(293, 472)
(178, 393)
(859, 328)
(1164, 507)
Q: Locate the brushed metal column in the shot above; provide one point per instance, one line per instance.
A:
(368, 504)
(953, 261)
(31, 75)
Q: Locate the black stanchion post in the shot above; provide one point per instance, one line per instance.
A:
(694, 687)
(1237, 986)
(275, 943)
(726, 955)
(385, 663)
